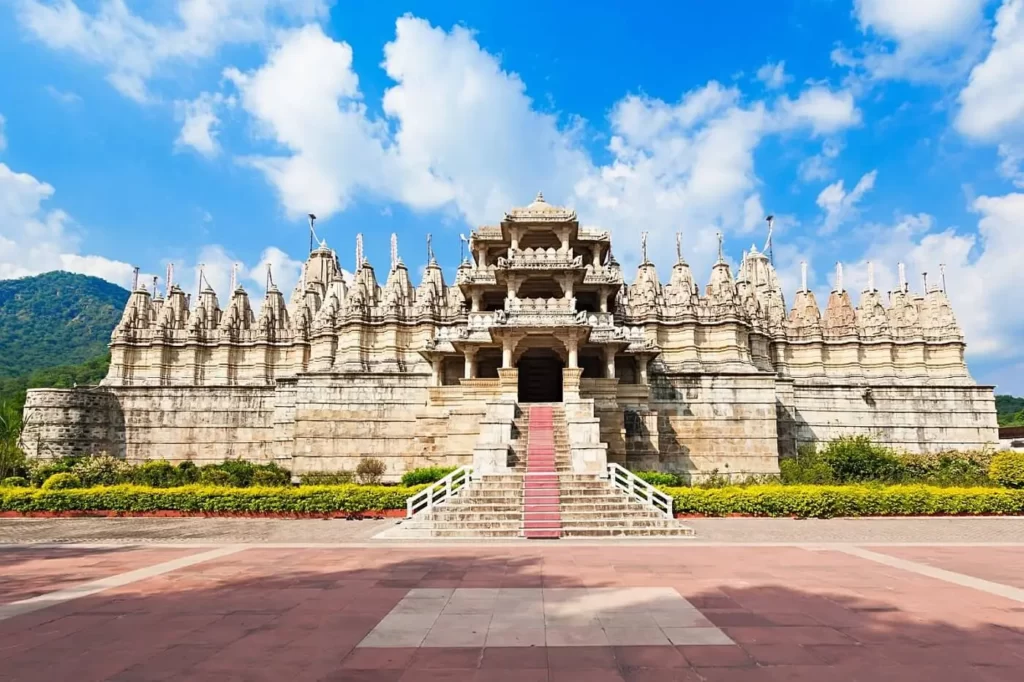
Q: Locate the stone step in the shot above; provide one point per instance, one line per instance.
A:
(452, 516)
(596, 532)
(596, 521)
(465, 525)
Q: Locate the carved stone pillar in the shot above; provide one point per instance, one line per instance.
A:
(436, 371)
(572, 346)
(571, 383)
(641, 368)
(609, 362)
(470, 372)
(506, 352)
(508, 381)
(475, 301)
(602, 297)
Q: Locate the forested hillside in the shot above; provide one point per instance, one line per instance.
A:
(1010, 410)
(55, 319)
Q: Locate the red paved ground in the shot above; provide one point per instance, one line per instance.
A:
(27, 572)
(299, 614)
(1001, 565)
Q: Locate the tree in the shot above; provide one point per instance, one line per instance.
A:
(12, 459)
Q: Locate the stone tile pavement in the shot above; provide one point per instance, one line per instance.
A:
(799, 612)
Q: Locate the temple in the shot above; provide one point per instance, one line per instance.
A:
(650, 375)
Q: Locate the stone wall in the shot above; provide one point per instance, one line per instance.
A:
(690, 424)
(59, 422)
(911, 418)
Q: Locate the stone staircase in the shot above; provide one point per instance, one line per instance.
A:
(540, 497)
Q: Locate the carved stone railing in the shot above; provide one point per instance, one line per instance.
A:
(483, 275)
(540, 259)
(603, 275)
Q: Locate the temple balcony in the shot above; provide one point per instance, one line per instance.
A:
(540, 259)
(476, 276)
(603, 275)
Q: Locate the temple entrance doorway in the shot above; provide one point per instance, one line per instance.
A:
(540, 376)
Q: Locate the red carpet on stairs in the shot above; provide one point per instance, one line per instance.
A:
(541, 515)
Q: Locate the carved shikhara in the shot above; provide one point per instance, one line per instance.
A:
(682, 380)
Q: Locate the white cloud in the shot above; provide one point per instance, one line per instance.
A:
(462, 134)
(840, 205)
(919, 40)
(819, 167)
(992, 102)
(982, 270)
(65, 97)
(200, 122)
(34, 239)
(825, 111)
(773, 76)
(134, 49)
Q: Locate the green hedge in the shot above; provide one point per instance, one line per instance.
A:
(209, 499)
(820, 501)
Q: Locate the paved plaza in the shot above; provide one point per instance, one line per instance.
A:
(824, 606)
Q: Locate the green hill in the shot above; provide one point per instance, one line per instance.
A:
(55, 319)
(1010, 410)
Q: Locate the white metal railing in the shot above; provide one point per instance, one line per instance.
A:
(439, 493)
(639, 489)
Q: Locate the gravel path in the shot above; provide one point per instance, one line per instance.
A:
(786, 531)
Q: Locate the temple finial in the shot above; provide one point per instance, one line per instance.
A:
(394, 251)
(643, 246)
(359, 250)
(135, 278)
(169, 280)
(539, 197)
(270, 278)
(871, 276)
(234, 277)
(770, 219)
(903, 277)
(803, 276)
(430, 250)
(312, 233)
(924, 276)
(942, 274)
(155, 280)
(721, 252)
(679, 248)
(839, 277)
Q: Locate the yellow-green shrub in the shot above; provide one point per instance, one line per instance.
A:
(1007, 468)
(210, 499)
(822, 501)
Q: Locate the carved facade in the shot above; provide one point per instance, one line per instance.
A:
(670, 377)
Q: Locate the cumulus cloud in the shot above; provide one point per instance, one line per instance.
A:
(34, 239)
(819, 166)
(982, 269)
(992, 102)
(200, 122)
(462, 134)
(840, 205)
(918, 40)
(134, 49)
(773, 76)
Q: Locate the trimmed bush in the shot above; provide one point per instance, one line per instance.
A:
(103, 470)
(156, 473)
(857, 459)
(425, 475)
(370, 470)
(1007, 468)
(846, 500)
(269, 475)
(214, 476)
(664, 478)
(947, 468)
(41, 469)
(328, 478)
(188, 473)
(345, 499)
(62, 481)
(14, 482)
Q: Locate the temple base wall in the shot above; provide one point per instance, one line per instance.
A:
(913, 419)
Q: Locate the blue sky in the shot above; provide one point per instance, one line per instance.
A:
(204, 130)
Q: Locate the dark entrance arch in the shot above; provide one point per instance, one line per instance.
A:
(540, 376)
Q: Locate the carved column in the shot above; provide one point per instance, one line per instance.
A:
(609, 362)
(436, 371)
(470, 363)
(507, 344)
(475, 296)
(602, 297)
(572, 346)
(641, 368)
